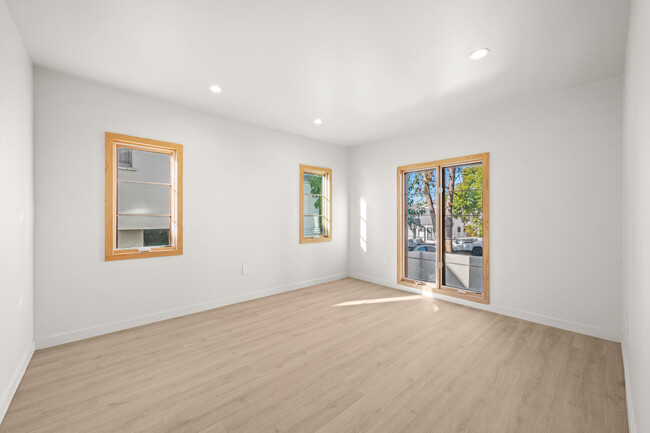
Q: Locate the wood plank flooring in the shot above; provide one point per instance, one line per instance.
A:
(346, 356)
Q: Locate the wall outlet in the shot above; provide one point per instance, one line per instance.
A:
(385, 260)
(245, 270)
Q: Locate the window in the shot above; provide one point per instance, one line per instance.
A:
(315, 204)
(124, 158)
(448, 200)
(144, 198)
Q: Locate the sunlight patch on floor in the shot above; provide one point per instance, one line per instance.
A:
(378, 301)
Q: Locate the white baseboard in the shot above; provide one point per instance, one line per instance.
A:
(12, 386)
(631, 421)
(80, 334)
(506, 311)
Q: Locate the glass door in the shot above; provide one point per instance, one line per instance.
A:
(443, 241)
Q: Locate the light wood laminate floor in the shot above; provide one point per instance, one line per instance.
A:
(346, 356)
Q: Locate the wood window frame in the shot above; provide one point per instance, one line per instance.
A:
(438, 287)
(112, 142)
(309, 169)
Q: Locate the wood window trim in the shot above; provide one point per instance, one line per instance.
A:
(438, 288)
(112, 141)
(310, 169)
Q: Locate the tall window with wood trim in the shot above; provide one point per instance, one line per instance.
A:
(144, 198)
(443, 222)
(315, 204)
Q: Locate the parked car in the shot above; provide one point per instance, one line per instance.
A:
(430, 248)
(473, 245)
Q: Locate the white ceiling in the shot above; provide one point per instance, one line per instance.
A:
(369, 68)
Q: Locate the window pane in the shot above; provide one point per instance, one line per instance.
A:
(420, 197)
(142, 222)
(124, 157)
(143, 198)
(421, 265)
(144, 166)
(314, 226)
(421, 270)
(313, 183)
(156, 238)
(139, 231)
(465, 202)
(422, 217)
(464, 272)
(463, 227)
(314, 205)
(465, 177)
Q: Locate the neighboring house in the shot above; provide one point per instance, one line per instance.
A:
(144, 202)
(423, 227)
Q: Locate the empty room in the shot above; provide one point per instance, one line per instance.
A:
(394, 216)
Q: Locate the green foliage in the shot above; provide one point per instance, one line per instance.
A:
(468, 198)
(466, 203)
(316, 187)
(418, 184)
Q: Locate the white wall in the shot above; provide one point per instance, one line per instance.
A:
(555, 220)
(636, 216)
(241, 187)
(17, 216)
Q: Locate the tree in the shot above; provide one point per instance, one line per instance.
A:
(421, 188)
(316, 188)
(464, 200)
(449, 207)
(469, 201)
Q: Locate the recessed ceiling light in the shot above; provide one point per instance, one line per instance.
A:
(318, 121)
(215, 89)
(479, 54)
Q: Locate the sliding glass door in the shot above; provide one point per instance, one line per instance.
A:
(442, 227)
